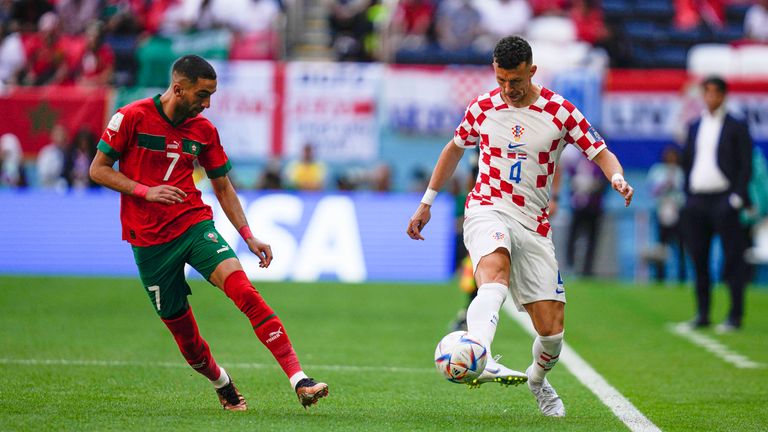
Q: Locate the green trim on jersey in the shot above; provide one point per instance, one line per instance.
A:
(108, 150)
(159, 107)
(191, 146)
(151, 142)
(220, 171)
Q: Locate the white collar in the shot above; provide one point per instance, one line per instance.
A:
(719, 113)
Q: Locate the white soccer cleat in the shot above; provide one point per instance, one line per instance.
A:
(498, 373)
(549, 402)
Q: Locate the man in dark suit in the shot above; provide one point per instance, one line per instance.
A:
(717, 160)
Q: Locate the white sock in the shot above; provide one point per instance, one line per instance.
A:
(483, 312)
(295, 378)
(223, 379)
(546, 353)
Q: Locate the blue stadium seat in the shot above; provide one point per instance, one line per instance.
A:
(641, 30)
(614, 8)
(670, 56)
(659, 9)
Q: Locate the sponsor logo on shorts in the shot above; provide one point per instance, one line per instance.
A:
(223, 249)
(560, 288)
(498, 236)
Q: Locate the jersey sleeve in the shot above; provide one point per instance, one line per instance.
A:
(468, 131)
(213, 158)
(580, 132)
(116, 137)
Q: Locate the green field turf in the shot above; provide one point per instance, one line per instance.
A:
(90, 354)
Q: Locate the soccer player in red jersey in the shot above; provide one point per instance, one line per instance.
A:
(521, 129)
(157, 140)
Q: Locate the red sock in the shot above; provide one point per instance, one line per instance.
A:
(192, 346)
(266, 324)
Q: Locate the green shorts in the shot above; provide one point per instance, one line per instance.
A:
(161, 267)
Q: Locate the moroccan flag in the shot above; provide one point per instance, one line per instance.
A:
(31, 112)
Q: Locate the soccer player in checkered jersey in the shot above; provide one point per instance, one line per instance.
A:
(521, 128)
(157, 141)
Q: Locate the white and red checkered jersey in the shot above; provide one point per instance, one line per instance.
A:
(519, 149)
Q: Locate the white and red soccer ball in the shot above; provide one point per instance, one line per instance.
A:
(460, 357)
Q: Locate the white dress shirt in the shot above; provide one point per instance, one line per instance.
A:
(706, 176)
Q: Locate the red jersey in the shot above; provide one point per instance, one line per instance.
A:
(154, 151)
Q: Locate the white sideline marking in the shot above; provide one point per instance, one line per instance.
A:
(181, 364)
(588, 376)
(715, 347)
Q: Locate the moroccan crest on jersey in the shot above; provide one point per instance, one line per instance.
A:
(212, 237)
(517, 132)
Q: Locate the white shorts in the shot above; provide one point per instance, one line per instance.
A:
(534, 274)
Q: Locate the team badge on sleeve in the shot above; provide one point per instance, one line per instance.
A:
(596, 136)
(114, 122)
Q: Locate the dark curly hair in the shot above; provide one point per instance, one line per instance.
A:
(511, 51)
(194, 67)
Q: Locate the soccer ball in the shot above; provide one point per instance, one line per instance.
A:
(460, 357)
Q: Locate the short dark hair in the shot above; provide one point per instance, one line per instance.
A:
(716, 81)
(511, 51)
(194, 67)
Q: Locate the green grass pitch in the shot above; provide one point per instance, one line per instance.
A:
(90, 354)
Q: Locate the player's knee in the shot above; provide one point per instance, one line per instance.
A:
(551, 329)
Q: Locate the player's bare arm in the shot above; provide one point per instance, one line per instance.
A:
(446, 165)
(612, 169)
(227, 197)
(103, 173)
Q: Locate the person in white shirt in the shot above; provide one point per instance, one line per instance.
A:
(717, 161)
(756, 22)
(50, 160)
(521, 129)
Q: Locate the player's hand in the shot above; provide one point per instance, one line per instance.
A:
(419, 221)
(261, 250)
(621, 186)
(165, 194)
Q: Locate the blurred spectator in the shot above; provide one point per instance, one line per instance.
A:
(98, 61)
(756, 22)
(690, 14)
(6, 11)
(587, 16)
(11, 164)
(410, 23)
(381, 178)
(76, 15)
(666, 180)
(46, 54)
(306, 173)
(419, 180)
(78, 160)
(12, 57)
(458, 25)
(50, 159)
(587, 185)
(349, 25)
(27, 13)
(502, 18)
(271, 178)
(549, 7)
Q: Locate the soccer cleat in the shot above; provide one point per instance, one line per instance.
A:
(230, 398)
(549, 402)
(498, 373)
(309, 392)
